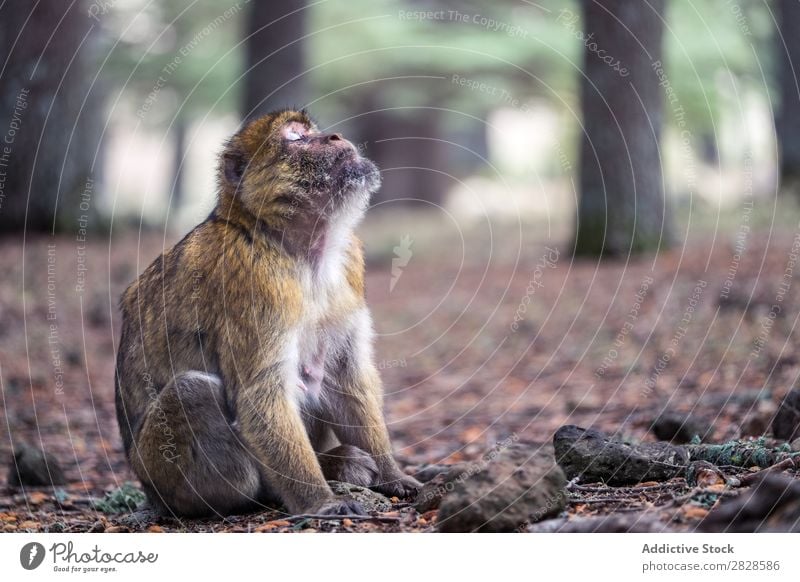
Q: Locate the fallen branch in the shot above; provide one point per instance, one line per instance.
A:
(790, 463)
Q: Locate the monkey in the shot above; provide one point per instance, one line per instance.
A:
(245, 373)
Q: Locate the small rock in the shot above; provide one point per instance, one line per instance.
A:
(786, 425)
(431, 494)
(592, 456)
(756, 422)
(704, 474)
(34, 468)
(520, 484)
(371, 501)
(679, 428)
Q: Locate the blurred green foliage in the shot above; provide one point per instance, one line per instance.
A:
(355, 47)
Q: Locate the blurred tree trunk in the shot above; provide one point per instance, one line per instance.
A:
(50, 121)
(408, 149)
(622, 205)
(179, 139)
(275, 56)
(788, 64)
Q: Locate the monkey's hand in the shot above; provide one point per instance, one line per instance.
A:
(338, 506)
(399, 485)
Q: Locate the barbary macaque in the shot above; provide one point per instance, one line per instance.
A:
(245, 372)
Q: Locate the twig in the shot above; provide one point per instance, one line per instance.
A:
(354, 517)
(660, 486)
(602, 500)
(750, 478)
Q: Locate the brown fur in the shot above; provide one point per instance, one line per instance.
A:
(209, 415)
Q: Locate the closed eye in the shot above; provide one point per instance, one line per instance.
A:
(294, 131)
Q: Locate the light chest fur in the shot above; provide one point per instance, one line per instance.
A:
(333, 318)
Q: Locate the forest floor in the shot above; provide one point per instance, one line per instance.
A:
(479, 338)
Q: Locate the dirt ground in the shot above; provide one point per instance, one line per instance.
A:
(481, 336)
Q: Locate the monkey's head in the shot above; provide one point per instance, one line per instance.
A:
(284, 170)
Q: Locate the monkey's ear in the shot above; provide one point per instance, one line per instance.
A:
(233, 165)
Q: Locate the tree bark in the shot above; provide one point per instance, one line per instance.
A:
(276, 65)
(50, 119)
(179, 139)
(622, 208)
(788, 63)
(409, 150)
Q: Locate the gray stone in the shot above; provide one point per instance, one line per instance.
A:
(33, 467)
(517, 485)
(680, 428)
(369, 499)
(425, 473)
(786, 425)
(593, 456)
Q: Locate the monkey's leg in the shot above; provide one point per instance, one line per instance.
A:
(188, 455)
(349, 464)
(340, 462)
(273, 427)
(355, 395)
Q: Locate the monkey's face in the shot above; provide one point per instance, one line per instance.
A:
(286, 167)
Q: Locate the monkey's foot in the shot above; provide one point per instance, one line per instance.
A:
(401, 486)
(339, 506)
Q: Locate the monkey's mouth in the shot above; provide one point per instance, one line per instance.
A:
(357, 173)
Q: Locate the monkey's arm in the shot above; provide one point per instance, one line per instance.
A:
(256, 361)
(272, 427)
(357, 394)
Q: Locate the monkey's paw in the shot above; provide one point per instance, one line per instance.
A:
(350, 465)
(339, 506)
(401, 486)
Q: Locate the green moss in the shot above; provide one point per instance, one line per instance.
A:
(120, 500)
